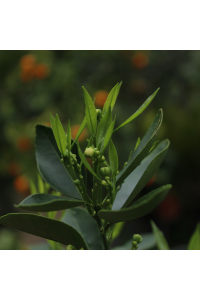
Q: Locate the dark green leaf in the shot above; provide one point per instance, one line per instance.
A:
(44, 227)
(134, 183)
(60, 136)
(113, 158)
(103, 126)
(45, 203)
(140, 110)
(49, 164)
(140, 208)
(85, 162)
(109, 134)
(159, 237)
(80, 220)
(112, 97)
(194, 243)
(142, 149)
(90, 112)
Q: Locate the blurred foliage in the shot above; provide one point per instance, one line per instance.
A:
(35, 83)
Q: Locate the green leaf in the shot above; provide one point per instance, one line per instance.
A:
(113, 158)
(90, 112)
(159, 237)
(112, 97)
(140, 208)
(52, 120)
(86, 226)
(49, 165)
(117, 230)
(103, 126)
(140, 110)
(85, 162)
(148, 242)
(60, 136)
(33, 188)
(44, 227)
(41, 187)
(81, 128)
(108, 134)
(143, 148)
(194, 243)
(46, 203)
(135, 182)
(69, 136)
(137, 143)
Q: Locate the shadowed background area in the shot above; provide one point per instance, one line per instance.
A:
(35, 83)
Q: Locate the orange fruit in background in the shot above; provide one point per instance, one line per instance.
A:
(21, 184)
(74, 131)
(14, 168)
(41, 71)
(27, 60)
(23, 143)
(151, 181)
(169, 209)
(101, 97)
(140, 60)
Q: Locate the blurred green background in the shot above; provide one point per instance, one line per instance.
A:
(35, 83)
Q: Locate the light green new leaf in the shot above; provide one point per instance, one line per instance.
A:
(46, 203)
(90, 112)
(41, 187)
(137, 143)
(117, 230)
(140, 208)
(69, 136)
(86, 226)
(33, 188)
(81, 128)
(85, 162)
(140, 110)
(135, 182)
(112, 97)
(103, 126)
(44, 227)
(142, 149)
(113, 158)
(108, 134)
(159, 237)
(61, 136)
(194, 243)
(49, 165)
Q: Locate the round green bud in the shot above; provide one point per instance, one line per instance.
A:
(137, 238)
(134, 243)
(62, 160)
(125, 164)
(104, 183)
(99, 113)
(105, 171)
(89, 152)
(97, 153)
(77, 182)
(107, 178)
(102, 158)
(67, 154)
(117, 172)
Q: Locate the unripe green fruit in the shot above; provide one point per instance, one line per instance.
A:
(105, 171)
(89, 152)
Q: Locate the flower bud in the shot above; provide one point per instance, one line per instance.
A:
(107, 178)
(67, 153)
(99, 113)
(102, 158)
(89, 152)
(77, 182)
(104, 183)
(137, 238)
(105, 171)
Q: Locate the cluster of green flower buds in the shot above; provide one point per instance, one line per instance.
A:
(137, 239)
(105, 171)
